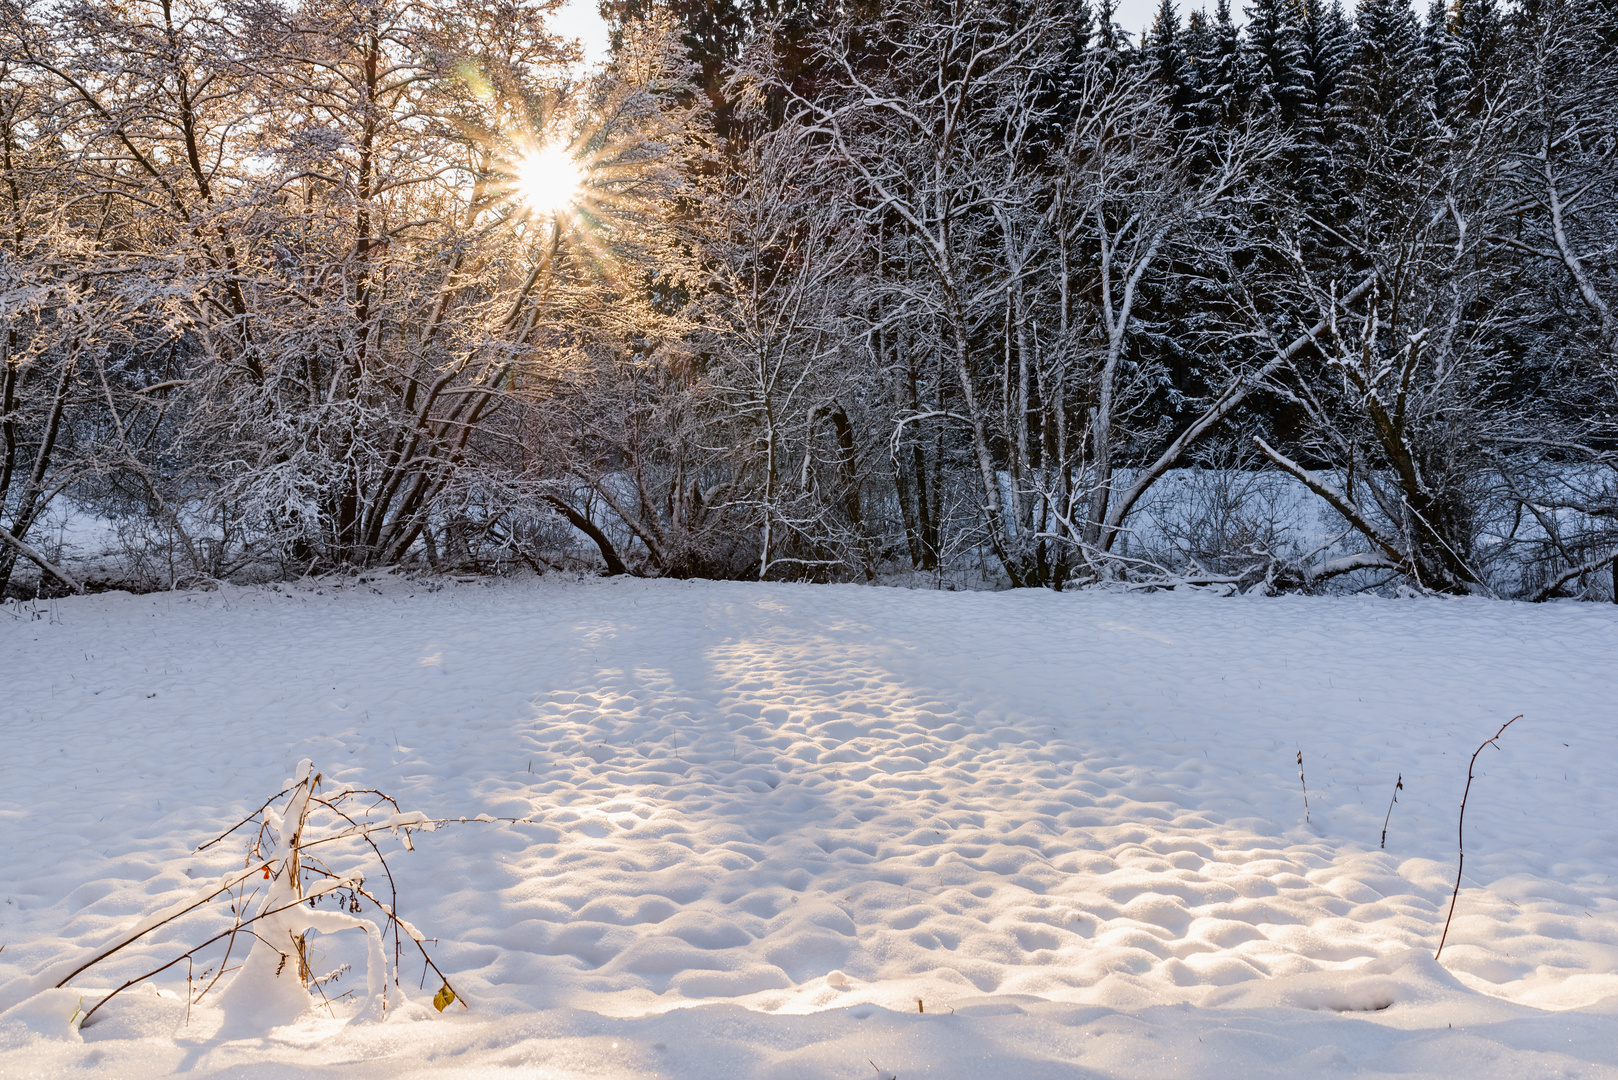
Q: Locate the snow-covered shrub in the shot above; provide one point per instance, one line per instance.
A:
(304, 872)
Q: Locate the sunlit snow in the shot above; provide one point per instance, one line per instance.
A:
(791, 831)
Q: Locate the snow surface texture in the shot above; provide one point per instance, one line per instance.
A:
(769, 819)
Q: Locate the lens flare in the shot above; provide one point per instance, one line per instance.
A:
(548, 180)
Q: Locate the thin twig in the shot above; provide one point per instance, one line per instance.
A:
(1460, 830)
(393, 887)
(422, 948)
(243, 821)
(1304, 786)
(1398, 786)
(130, 941)
(187, 955)
(236, 915)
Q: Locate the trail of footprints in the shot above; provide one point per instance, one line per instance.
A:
(819, 816)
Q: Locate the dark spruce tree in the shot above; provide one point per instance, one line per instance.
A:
(1275, 64)
(1163, 54)
(1328, 40)
(1221, 99)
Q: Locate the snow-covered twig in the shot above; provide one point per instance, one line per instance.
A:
(281, 853)
(321, 890)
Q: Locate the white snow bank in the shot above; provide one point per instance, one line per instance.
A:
(1073, 820)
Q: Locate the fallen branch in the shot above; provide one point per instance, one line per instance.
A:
(1578, 571)
(41, 561)
(1339, 501)
(1234, 393)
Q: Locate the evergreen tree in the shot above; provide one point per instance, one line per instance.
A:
(1445, 59)
(1080, 23)
(714, 32)
(1163, 52)
(1198, 41)
(1383, 98)
(1221, 100)
(1275, 63)
(1480, 31)
(1109, 36)
(1327, 39)
(1200, 46)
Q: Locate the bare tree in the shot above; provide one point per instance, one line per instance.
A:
(1403, 382)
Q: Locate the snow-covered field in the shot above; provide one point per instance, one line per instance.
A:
(1070, 825)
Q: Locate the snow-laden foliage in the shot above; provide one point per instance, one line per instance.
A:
(841, 291)
(303, 875)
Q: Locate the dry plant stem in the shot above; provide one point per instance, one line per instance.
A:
(1460, 830)
(297, 863)
(1398, 786)
(249, 872)
(224, 961)
(393, 888)
(188, 954)
(1304, 786)
(364, 831)
(243, 821)
(420, 947)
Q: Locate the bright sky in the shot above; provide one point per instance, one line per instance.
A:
(1136, 15)
(579, 19)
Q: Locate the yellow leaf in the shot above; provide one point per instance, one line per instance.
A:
(444, 998)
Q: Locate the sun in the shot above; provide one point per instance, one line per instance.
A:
(548, 179)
